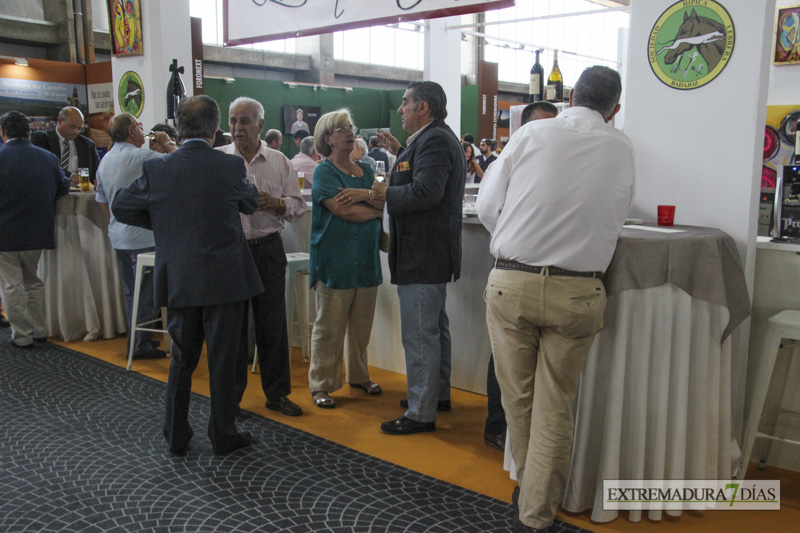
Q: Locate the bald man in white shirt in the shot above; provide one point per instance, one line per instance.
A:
(555, 202)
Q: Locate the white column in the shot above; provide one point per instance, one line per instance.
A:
(167, 36)
(443, 65)
(701, 149)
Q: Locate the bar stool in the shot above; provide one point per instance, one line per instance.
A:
(784, 325)
(296, 300)
(145, 260)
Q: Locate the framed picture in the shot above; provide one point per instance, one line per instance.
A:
(300, 117)
(125, 27)
(787, 36)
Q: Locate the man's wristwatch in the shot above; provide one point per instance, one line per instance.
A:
(371, 195)
(282, 204)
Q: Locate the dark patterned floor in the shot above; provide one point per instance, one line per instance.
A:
(81, 451)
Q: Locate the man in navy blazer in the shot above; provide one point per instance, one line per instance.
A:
(30, 183)
(204, 273)
(424, 200)
(82, 152)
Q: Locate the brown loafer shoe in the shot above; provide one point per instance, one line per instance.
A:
(519, 527)
(495, 440)
(285, 406)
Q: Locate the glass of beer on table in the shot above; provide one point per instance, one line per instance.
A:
(83, 174)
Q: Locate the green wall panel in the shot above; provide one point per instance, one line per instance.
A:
(469, 110)
(371, 108)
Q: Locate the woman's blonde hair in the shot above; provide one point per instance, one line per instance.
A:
(325, 126)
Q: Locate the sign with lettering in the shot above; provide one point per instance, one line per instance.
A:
(101, 97)
(690, 43)
(245, 21)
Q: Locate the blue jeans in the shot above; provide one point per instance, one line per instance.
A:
(426, 340)
(126, 261)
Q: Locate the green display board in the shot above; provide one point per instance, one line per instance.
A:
(370, 108)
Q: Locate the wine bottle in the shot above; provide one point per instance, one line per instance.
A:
(556, 81)
(536, 91)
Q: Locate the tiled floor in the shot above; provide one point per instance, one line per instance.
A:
(81, 451)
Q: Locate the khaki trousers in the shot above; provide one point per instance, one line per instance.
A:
(541, 329)
(345, 313)
(22, 293)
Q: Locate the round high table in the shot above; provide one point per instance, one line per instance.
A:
(658, 396)
(82, 286)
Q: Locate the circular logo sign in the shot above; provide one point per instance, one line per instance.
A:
(131, 93)
(691, 43)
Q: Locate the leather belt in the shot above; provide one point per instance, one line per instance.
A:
(265, 239)
(508, 264)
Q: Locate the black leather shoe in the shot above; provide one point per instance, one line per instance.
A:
(4, 323)
(515, 497)
(150, 354)
(285, 406)
(495, 440)
(443, 407)
(242, 439)
(180, 452)
(40, 339)
(519, 527)
(406, 426)
(22, 346)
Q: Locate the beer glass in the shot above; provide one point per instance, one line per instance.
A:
(83, 174)
(301, 178)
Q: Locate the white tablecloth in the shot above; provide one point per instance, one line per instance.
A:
(83, 289)
(656, 399)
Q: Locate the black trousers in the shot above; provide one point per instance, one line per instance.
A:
(219, 326)
(269, 315)
(496, 421)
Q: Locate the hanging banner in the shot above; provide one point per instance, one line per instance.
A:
(245, 21)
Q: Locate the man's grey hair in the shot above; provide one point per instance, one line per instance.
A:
(598, 88)
(362, 145)
(537, 108)
(119, 125)
(246, 100)
(307, 145)
(273, 135)
(431, 92)
(197, 117)
(69, 110)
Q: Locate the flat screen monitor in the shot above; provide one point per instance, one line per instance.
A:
(300, 117)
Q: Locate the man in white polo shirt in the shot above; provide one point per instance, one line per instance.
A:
(554, 201)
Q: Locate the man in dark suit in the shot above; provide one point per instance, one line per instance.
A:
(30, 182)
(204, 273)
(423, 199)
(377, 154)
(72, 149)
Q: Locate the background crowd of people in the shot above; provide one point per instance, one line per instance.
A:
(212, 210)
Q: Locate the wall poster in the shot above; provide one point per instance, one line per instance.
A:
(125, 27)
(787, 36)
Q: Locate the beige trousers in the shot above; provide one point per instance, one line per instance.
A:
(541, 329)
(341, 315)
(22, 293)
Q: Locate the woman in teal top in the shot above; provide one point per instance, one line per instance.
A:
(345, 267)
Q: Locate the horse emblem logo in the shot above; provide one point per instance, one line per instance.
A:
(691, 43)
(130, 93)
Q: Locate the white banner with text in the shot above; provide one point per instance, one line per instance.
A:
(253, 21)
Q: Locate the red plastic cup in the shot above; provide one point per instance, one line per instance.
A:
(666, 215)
